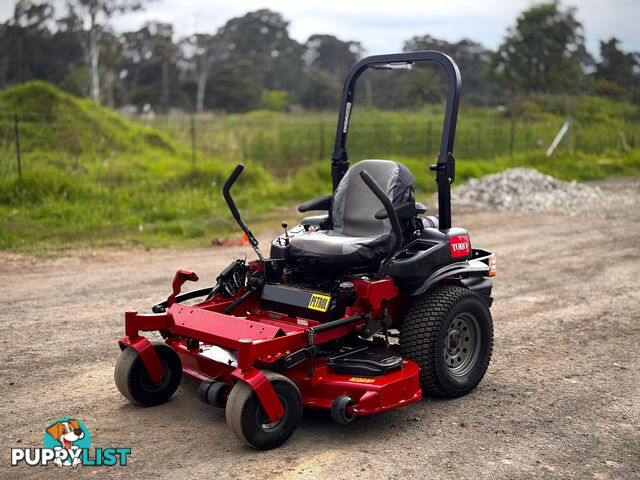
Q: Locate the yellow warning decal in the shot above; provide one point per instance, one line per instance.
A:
(362, 380)
(319, 302)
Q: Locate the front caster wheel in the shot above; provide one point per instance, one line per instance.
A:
(134, 382)
(339, 411)
(248, 420)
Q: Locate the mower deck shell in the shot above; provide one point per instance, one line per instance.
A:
(264, 337)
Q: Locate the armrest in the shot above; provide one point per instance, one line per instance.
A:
(320, 203)
(313, 221)
(404, 210)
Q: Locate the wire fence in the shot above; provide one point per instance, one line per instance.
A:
(285, 143)
(295, 142)
(289, 145)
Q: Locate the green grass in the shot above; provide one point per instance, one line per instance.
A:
(92, 178)
(285, 142)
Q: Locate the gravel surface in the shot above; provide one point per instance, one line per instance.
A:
(561, 398)
(527, 190)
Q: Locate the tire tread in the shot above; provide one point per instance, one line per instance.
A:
(420, 335)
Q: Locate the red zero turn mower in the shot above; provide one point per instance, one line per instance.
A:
(313, 325)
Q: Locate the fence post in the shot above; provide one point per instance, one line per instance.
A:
(15, 118)
(511, 134)
(623, 142)
(193, 141)
(558, 137)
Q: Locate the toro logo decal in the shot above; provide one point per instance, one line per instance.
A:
(459, 246)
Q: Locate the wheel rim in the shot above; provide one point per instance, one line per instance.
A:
(348, 416)
(263, 421)
(151, 386)
(462, 344)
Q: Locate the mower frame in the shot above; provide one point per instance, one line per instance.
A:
(235, 337)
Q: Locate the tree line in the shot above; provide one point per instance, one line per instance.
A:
(251, 62)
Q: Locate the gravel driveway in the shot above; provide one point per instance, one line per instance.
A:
(561, 398)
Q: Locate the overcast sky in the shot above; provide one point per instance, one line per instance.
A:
(382, 26)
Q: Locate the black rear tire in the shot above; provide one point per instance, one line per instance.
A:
(448, 332)
(134, 382)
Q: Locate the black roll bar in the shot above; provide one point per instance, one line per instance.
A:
(445, 168)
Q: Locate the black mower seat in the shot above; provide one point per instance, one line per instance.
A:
(357, 237)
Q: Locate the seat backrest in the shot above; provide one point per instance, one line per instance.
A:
(354, 204)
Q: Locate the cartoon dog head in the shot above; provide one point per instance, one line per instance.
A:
(66, 432)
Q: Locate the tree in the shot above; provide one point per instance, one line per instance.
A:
(472, 59)
(94, 14)
(163, 48)
(206, 51)
(328, 53)
(617, 66)
(234, 87)
(618, 72)
(420, 86)
(149, 64)
(262, 39)
(25, 47)
(544, 52)
(327, 60)
(70, 63)
(320, 91)
(111, 54)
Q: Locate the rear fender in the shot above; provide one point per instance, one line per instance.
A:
(471, 268)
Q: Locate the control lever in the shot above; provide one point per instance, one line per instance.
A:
(393, 218)
(226, 193)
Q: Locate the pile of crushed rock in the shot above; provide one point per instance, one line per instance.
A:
(528, 190)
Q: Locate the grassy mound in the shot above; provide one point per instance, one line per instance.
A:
(92, 178)
(52, 120)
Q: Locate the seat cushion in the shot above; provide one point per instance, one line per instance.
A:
(354, 205)
(356, 237)
(331, 247)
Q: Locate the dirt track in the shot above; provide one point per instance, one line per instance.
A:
(561, 398)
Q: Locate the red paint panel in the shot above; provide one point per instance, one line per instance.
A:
(179, 279)
(372, 394)
(375, 291)
(217, 328)
(134, 321)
